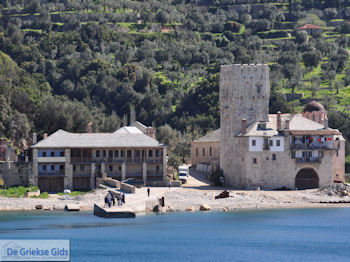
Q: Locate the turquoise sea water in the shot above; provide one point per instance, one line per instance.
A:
(271, 235)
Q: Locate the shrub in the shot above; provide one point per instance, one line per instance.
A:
(216, 177)
(43, 195)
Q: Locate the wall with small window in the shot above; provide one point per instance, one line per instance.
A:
(50, 152)
(255, 144)
(205, 153)
(51, 168)
(277, 143)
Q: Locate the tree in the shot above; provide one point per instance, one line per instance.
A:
(312, 58)
(315, 85)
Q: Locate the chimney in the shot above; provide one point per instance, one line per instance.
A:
(150, 132)
(279, 124)
(44, 136)
(244, 126)
(326, 123)
(287, 124)
(35, 139)
(89, 127)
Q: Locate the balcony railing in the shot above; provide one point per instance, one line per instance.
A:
(51, 173)
(155, 161)
(154, 174)
(81, 175)
(308, 160)
(114, 174)
(266, 147)
(314, 146)
(114, 160)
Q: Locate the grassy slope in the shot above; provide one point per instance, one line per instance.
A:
(343, 97)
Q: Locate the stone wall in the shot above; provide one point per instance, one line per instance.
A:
(16, 173)
(208, 159)
(339, 163)
(272, 174)
(244, 94)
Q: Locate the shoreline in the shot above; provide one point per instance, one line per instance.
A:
(182, 199)
(258, 208)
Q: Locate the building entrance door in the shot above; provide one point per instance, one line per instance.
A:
(306, 178)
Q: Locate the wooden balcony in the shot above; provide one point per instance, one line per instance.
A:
(51, 173)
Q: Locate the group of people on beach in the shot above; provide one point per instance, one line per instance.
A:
(110, 199)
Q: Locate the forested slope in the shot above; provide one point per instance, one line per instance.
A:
(65, 63)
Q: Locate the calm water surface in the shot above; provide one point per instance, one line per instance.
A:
(273, 235)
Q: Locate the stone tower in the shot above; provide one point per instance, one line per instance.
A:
(244, 94)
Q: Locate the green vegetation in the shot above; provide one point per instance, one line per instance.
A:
(66, 63)
(74, 193)
(44, 195)
(17, 192)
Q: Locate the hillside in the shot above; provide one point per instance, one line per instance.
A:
(101, 60)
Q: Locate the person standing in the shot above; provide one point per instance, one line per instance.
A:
(169, 184)
(123, 198)
(148, 191)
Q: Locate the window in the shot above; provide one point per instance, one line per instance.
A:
(157, 169)
(320, 154)
(258, 88)
(52, 154)
(150, 153)
(104, 153)
(210, 151)
(203, 151)
(62, 153)
(110, 153)
(196, 151)
(157, 153)
(121, 153)
(255, 160)
(278, 142)
(81, 167)
(44, 167)
(271, 142)
(110, 168)
(74, 168)
(44, 154)
(293, 155)
(120, 168)
(116, 153)
(97, 153)
(253, 142)
(52, 167)
(128, 152)
(273, 156)
(61, 167)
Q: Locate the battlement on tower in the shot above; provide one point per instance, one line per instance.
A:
(244, 82)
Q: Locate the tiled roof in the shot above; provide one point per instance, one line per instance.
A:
(211, 137)
(297, 125)
(128, 130)
(64, 139)
(309, 26)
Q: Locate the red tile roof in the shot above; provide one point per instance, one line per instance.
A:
(309, 26)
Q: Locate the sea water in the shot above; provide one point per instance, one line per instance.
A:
(269, 235)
